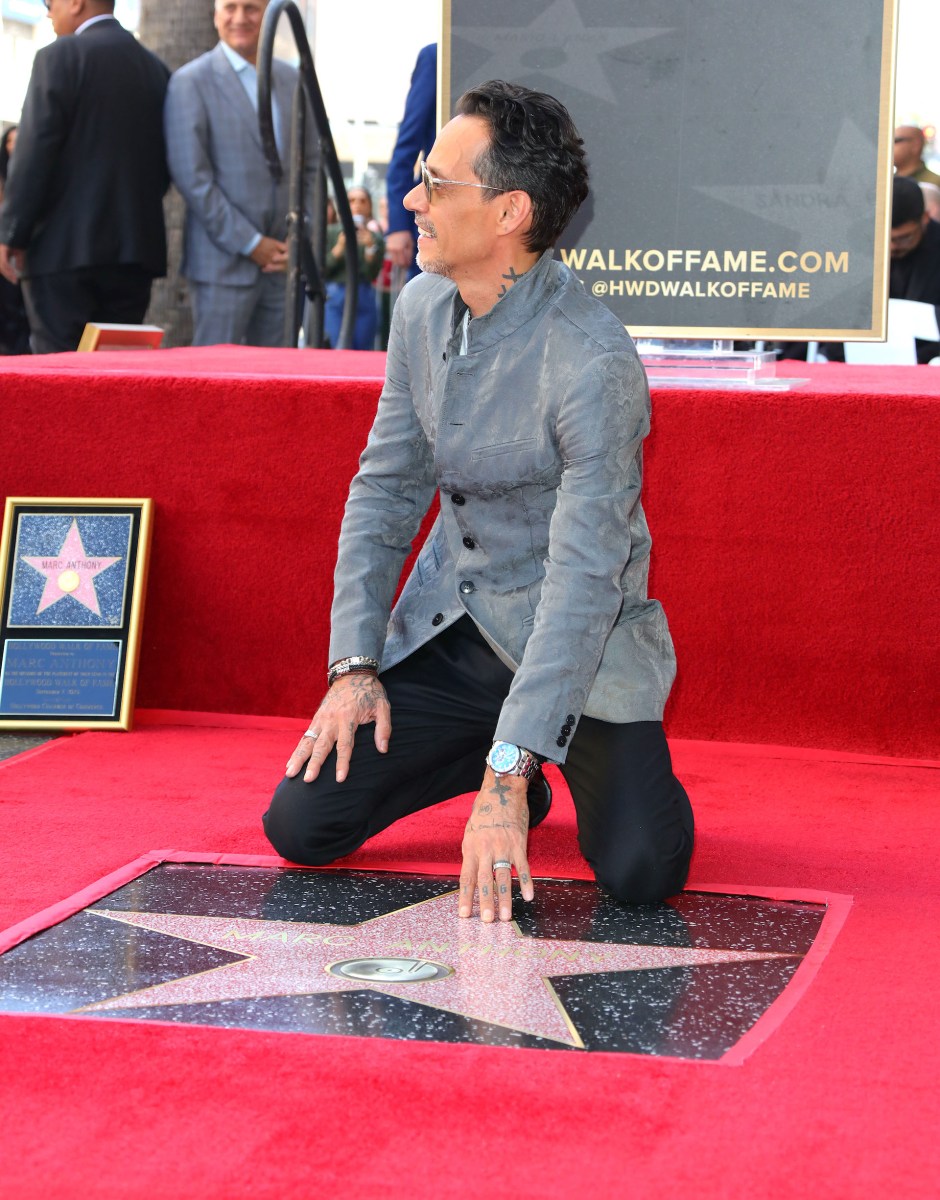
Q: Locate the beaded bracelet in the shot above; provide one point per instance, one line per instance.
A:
(350, 666)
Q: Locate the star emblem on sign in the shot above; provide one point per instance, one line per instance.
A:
(422, 953)
(71, 572)
(558, 45)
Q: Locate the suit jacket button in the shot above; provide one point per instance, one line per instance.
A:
(469, 543)
(457, 499)
(561, 740)
(437, 618)
(566, 729)
(569, 720)
(467, 587)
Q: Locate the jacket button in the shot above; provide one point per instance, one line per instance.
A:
(561, 740)
(469, 543)
(569, 720)
(437, 618)
(566, 729)
(467, 587)
(457, 499)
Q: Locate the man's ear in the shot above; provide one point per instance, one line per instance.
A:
(516, 212)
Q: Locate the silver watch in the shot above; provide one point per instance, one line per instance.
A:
(506, 759)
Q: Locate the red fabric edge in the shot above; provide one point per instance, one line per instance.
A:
(68, 908)
(837, 910)
(148, 717)
(810, 753)
(23, 755)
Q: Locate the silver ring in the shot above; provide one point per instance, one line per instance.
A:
(311, 734)
(502, 864)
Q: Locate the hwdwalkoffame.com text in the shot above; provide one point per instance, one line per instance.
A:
(634, 272)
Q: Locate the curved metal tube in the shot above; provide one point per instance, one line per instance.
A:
(311, 86)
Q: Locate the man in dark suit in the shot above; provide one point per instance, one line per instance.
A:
(82, 219)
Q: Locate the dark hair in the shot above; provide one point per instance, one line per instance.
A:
(907, 201)
(5, 153)
(358, 187)
(535, 148)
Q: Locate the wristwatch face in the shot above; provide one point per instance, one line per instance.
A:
(503, 757)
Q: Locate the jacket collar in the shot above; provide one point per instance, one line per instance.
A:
(520, 304)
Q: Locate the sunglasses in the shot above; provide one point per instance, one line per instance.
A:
(431, 182)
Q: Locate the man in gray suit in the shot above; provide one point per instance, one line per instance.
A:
(521, 400)
(234, 253)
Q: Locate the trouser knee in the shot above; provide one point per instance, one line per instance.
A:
(641, 875)
(300, 830)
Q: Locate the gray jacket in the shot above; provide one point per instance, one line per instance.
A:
(534, 440)
(216, 160)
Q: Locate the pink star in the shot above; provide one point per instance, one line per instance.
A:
(70, 573)
(493, 973)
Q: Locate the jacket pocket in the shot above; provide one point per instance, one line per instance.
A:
(504, 448)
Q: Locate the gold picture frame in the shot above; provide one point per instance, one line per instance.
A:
(73, 578)
(96, 336)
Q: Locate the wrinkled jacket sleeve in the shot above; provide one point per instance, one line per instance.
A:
(387, 500)
(600, 429)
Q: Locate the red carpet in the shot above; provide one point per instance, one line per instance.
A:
(839, 1102)
(792, 532)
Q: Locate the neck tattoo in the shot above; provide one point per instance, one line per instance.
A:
(513, 277)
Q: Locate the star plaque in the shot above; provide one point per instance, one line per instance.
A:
(71, 592)
(380, 954)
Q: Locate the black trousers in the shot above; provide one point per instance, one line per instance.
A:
(60, 305)
(635, 824)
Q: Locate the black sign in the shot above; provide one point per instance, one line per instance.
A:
(740, 153)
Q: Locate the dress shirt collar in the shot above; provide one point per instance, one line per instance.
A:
(245, 73)
(239, 64)
(93, 21)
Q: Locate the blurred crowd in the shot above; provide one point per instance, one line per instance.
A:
(105, 129)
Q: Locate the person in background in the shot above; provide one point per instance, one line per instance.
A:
(234, 252)
(416, 135)
(371, 252)
(383, 285)
(915, 254)
(6, 150)
(14, 327)
(82, 220)
(909, 143)
(931, 200)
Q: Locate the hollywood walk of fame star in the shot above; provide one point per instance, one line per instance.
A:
(558, 45)
(494, 972)
(70, 573)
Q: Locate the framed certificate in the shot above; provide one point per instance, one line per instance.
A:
(73, 575)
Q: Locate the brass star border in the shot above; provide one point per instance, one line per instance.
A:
(381, 952)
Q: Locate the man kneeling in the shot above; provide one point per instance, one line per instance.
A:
(524, 634)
